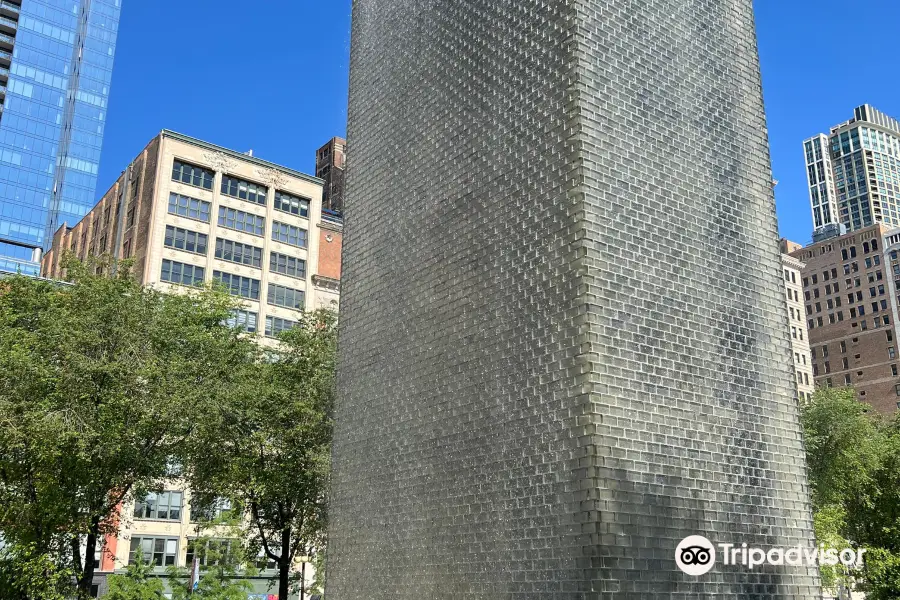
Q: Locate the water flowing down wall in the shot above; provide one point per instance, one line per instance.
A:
(564, 346)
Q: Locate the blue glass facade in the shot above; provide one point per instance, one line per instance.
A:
(59, 55)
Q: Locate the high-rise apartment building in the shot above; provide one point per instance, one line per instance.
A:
(854, 174)
(189, 212)
(56, 60)
(850, 292)
(793, 287)
(330, 163)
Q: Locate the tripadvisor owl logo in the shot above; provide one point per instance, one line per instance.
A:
(695, 555)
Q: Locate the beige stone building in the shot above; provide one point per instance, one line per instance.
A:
(793, 286)
(188, 212)
(850, 286)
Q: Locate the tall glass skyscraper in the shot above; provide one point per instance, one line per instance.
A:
(854, 174)
(56, 60)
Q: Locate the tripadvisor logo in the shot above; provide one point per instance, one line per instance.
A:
(696, 556)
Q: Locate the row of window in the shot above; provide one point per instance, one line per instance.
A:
(237, 285)
(872, 261)
(854, 313)
(248, 320)
(236, 252)
(239, 188)
(237, 220)
(845, 365)
(163, 552)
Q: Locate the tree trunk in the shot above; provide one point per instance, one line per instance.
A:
(86, 577)
(284, 565)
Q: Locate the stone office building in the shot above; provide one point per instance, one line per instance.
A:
(189, 212)
(793, 286)
(850, 288)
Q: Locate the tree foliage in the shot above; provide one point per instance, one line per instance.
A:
(100, 382)
(854, 469)
(273, 439)
(137, 583)
(222, 578)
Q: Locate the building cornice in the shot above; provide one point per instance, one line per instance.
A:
(239, 156)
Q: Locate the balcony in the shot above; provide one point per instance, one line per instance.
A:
(4, 75)
(9, 9)
(5, 57)
(7, 41)
(8, 25)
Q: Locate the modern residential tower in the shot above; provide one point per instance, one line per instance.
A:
(854, 174)
(56, 60)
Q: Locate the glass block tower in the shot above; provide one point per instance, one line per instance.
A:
(854, 174)
(56, 60)
(569, 350)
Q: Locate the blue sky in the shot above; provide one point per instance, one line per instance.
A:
(205, 68)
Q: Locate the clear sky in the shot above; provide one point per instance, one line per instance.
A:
(271, 75)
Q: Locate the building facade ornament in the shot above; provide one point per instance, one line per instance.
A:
(219, 161)
(272, 177)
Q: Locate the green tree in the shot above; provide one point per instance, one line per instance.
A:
(223, 575)
(26, 573)
(272, 445)
(100, 382)
(854, 470)
(137, 583)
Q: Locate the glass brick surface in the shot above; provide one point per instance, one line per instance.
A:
(581, 355)
(60, 60)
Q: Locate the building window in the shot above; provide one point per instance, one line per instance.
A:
(165, 506)
(157, 551)
(291, 204)
(191, 175)
(129, 216)
(287, 265)
(238, 188)
(892, 352)
(241, 221)
(243, 254)
(288, 234)
(183, 239)
(209, 552)
(244, 287)
(185, 206)
(181, 273)
(244, 319)
(275, 325)
(847, 380)
(285, 296)
(265, 563)
(211, 512)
